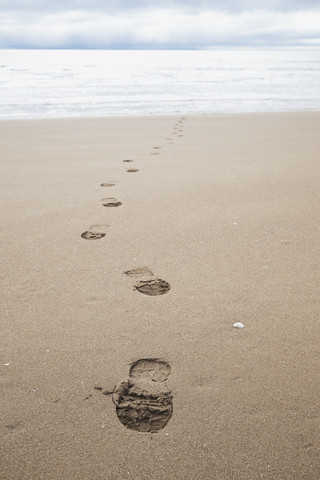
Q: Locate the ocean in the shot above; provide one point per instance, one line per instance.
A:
(95, 83)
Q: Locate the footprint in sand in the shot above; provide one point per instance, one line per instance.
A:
(95, 232)
(132, 170)
(108, 184)
(144, 401)
(147, 283)
(156, 152)
(127, 161)
(110, 202)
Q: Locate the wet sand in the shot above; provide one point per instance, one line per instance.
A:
(225, 211)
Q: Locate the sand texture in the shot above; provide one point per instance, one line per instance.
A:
(130, 247)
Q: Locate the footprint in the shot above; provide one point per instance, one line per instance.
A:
(132, 170)
(156, 148)
(107, 184)
(153, 287)
(127, 161)
(111, 202)
(144, 401)
(95, 232)
(147, 283)
(154, 153)
(136, 272)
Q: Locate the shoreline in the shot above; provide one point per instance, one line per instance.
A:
(168, 116)
(222, 208)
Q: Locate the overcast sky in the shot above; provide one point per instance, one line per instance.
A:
(158, 24)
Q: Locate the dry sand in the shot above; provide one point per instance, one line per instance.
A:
(227, 212)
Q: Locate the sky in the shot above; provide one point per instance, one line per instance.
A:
(166, 24)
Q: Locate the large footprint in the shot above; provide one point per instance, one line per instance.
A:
(144, 401)
(95, 232)
(147, 282)
(110, 202)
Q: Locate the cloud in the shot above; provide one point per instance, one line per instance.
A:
(111, 6)
(157, 28)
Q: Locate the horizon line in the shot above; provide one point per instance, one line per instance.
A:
(146, 48)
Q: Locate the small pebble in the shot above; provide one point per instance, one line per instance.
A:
(238, 325)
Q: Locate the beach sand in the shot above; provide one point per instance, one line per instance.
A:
(223, 208)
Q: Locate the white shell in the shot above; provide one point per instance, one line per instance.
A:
(238, 325)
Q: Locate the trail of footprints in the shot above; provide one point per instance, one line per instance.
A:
(144, 401)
